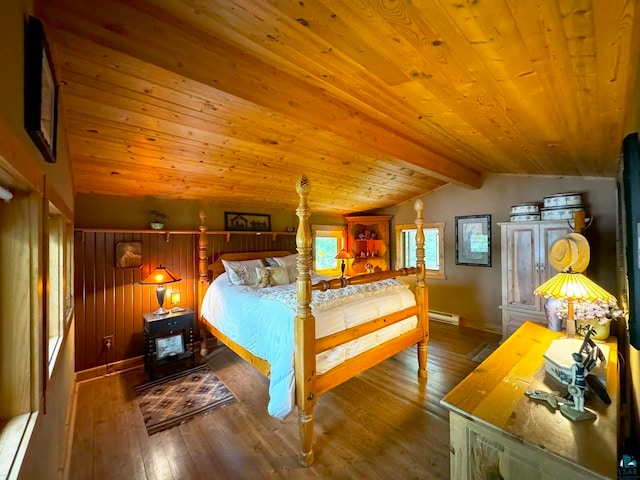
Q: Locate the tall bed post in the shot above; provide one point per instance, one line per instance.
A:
(305, 329)
(421, 290)
(203, 275)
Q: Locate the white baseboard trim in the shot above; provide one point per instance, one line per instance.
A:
(451, 318)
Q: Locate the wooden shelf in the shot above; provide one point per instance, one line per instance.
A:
(168, 233)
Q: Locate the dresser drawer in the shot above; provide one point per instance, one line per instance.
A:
(170, 324)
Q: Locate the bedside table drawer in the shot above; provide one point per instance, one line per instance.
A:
(167, 325)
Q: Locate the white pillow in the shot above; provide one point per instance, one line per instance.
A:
(290, 262)
(242, 272)
(272, 276)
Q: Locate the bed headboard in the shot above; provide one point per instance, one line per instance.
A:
(218, 269)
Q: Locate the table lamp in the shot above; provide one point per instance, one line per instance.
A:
(159, 277)
(573, 287)
(565, 359)
(343, 255)
(175, 300)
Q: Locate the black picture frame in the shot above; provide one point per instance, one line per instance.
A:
(473, 240)
(170, 346)
(40, 91)
(247, 222)
(128, 255)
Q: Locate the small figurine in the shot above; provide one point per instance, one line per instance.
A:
(265, 279)
(553, 400)
(577, 387)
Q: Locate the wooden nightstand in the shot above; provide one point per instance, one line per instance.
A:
(168, 341)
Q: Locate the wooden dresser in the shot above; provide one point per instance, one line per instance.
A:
(496, 431)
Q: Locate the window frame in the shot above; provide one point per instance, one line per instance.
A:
(334, 231)
(429, 273)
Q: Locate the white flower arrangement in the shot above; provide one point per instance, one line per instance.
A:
(587, 311)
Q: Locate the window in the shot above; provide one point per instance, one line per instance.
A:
(55, 307)
(59, 259)
(328, 240)
(433, 248)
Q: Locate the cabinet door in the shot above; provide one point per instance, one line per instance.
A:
(548, 234)
(523, 267)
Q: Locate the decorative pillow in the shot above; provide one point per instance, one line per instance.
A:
(242, 272)
(290, 262)
(272, 276)
(271, 262)
(279, 275)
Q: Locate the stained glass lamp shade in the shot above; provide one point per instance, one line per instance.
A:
(573, 287)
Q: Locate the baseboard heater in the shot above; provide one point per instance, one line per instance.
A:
(451, 318)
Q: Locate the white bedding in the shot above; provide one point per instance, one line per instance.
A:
(261, 320)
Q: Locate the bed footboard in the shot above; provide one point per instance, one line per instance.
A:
(308, 384)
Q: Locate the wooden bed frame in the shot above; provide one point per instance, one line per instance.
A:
(310, 385)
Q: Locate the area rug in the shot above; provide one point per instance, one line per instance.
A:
(178, 398)
(481, 352)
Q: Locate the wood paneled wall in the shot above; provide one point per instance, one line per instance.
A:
(110, 301)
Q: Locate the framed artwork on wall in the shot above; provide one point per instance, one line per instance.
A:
(128, 254)
(247, 222)
(473, 240)
(40, 91)
(170, 346)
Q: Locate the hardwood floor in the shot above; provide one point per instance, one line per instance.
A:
(383, 424)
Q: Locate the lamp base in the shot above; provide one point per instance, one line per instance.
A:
(178, 309)
(160, 311)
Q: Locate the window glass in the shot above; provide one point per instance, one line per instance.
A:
(55, 287)
(328, 240)
(433, 247)
(326, 249)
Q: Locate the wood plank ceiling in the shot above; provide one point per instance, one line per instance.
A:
(377, 101)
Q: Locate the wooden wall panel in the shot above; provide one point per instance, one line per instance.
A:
(110, 301)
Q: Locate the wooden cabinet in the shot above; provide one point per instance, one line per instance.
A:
(525, 246)
(368, 242)
(168, 341)
(496, 431)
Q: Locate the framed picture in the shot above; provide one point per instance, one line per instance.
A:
(247, 222)
(170, 346)
(40, 91)
(473, 240)
(128, 254)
